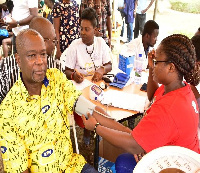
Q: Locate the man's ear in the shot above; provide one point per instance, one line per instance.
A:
(147, 35)
(17, 58)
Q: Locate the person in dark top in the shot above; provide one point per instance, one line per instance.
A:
(129, 17)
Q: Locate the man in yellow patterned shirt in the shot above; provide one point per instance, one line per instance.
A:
(34, 128)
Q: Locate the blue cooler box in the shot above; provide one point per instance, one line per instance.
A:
(126, 64)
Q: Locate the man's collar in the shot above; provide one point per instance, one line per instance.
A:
(45, 81)
(24, 91)
(147, 51)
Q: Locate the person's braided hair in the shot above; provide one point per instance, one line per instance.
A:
(196, 42)
(181, 52)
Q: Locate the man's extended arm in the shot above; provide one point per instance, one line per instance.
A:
(109, 28)
(136, 4)
(56, 23)
(33, 13)
(150, 4)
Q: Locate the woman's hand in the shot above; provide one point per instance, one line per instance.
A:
(138, 157)
(98, 75)
(90, 122)
(151, 56)
(78, 77)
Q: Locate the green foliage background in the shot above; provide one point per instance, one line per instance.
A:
(189, 6)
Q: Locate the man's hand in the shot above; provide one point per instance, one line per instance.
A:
(98, 75)
(8, 28)
(12, 23)
(134, 13)
(78, 77)
(144, 11)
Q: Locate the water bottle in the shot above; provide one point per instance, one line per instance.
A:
(138, 69)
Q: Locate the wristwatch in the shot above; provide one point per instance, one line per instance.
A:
(18, 24)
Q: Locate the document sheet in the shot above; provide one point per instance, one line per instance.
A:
(124, 100)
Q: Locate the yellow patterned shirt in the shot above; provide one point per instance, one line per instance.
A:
(34, 130)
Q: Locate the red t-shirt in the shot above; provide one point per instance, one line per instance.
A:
(171, 120)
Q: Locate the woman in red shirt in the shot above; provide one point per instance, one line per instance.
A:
(173, 116)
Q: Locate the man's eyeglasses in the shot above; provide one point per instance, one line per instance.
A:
(155, 62)
(55, 41)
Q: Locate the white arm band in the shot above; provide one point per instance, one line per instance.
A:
(83, 106)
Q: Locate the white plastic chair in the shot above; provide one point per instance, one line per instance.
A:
(169, 157)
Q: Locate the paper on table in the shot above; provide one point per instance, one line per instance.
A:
(82, 85)
(124, 100)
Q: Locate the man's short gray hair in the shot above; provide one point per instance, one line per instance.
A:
(20, 39)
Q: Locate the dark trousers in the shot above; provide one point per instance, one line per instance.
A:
(88, 169)
(129, 31)
(140, 20)
(123, 16)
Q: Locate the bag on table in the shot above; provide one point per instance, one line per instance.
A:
(120, 80)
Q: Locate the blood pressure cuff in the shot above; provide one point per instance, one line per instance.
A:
(82, 107)
(120, 80)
